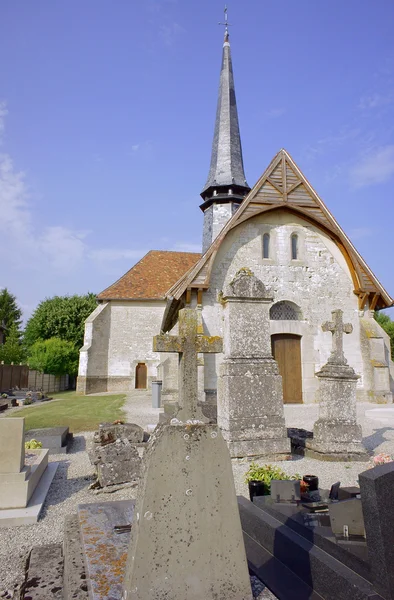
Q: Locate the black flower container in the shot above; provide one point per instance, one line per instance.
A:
(312, 481)
(257, 488)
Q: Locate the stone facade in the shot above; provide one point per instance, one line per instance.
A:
(118, 336)
(316, 282)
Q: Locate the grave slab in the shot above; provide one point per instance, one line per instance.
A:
(14, 517)
(105, 551)
(16, 489)
(56, 439)
(44, 579)
(75, 584)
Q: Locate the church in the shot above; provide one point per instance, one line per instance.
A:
(281, 231)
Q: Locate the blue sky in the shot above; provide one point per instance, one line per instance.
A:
(107, 114)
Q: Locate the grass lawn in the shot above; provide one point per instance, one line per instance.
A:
(79, 413)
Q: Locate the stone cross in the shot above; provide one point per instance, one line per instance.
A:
(337, 328)
(188, 344)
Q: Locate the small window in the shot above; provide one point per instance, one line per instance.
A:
(266, 245)
(294, 246)
(285, 311)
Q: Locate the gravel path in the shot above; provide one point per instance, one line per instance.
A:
(75, 473)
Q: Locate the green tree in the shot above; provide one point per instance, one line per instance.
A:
(10, 313)
(61, 317)
(388, 325)
(12, 350)
(54, 356)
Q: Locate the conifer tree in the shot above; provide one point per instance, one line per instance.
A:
(10, 313)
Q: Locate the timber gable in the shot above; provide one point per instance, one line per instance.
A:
(284, 186)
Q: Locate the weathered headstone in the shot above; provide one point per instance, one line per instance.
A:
(336, 433)
(187, 541)
(377, 492)
(116, 453)
(117, 462)
(188, 344)
(250, 397)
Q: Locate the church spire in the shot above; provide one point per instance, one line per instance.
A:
(226, 179)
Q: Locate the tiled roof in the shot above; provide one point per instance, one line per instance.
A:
(152, 276)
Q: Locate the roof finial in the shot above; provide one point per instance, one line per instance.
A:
(226, 24)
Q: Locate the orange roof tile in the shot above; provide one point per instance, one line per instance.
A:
(152, 276)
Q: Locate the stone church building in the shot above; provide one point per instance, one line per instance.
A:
(281, 231)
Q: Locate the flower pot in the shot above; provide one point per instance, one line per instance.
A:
(312, 481)
(257, 488)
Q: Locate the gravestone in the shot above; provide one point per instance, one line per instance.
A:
(188, 344)
(250, 397)
(186, 538)
(377, 493)
(56, 439)
(116, 453)
(336, 433)
(21, 476)
(346, 517)
(285, 491)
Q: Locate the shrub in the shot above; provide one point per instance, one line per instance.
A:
(33, 445)
(266, 474)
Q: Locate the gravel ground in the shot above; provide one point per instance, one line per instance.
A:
(75, 473)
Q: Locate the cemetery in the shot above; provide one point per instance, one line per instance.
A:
(183, 518)
(231, 436)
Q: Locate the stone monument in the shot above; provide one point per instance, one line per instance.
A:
(21, 475)
(250, 397)
(187, 541)
(336, 433)
(377, 488)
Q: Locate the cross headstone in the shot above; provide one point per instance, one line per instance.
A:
(188, 344)
(337, 328)
(187, 539)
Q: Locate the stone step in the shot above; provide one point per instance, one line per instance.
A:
(75, 582)
(44, 576)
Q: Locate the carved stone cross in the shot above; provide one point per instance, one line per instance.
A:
(188, 344)
(337, 328)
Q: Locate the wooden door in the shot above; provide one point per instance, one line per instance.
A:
(141, 376)
(286, 350)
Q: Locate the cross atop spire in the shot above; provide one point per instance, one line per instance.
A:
(226, 178)
(226, 24)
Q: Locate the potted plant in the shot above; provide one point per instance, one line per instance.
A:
(259, 478)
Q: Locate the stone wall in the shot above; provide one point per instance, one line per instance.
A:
(215, 218)
(318, 281)
(118, 335)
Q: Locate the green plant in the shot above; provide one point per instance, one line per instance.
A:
(54, 356)
(28, 400)
(4, 395)
(33, 445)
(266, 474)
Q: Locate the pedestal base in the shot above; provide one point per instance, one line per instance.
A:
(250, 409)
(336, 440)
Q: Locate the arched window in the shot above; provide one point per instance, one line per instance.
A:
(285, 311)
(266, 245)
(294, 246)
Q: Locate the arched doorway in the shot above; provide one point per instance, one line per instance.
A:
(286, 350)
(141, 376)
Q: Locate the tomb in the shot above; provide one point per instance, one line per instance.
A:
(326, 550)
(25, 477)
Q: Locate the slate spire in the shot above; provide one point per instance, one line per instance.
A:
(226, 179)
